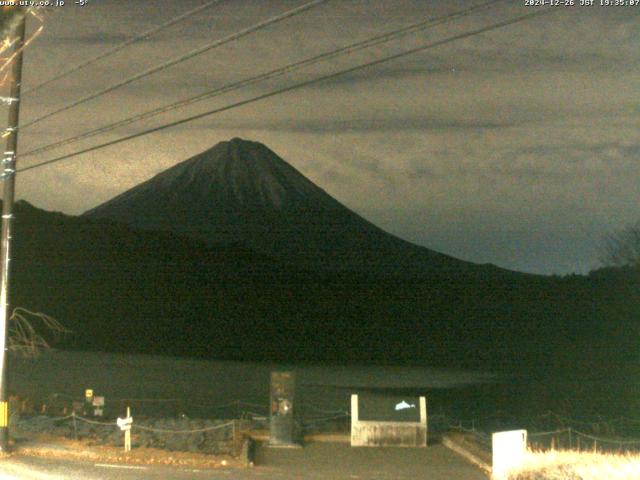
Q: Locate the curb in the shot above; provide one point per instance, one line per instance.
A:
(458, 446)
(263, 436)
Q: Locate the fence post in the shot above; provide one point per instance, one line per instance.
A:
(570, 442)
(75, 425)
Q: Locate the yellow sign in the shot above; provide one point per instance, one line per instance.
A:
(4, 414)
(88, 393)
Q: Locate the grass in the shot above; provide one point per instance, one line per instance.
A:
(50, 446)
(578, 465)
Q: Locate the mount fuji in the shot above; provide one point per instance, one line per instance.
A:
(241, 192)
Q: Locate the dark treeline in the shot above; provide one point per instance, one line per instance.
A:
(118, 289)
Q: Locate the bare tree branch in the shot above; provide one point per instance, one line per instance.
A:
(24, 337)
(622, 248)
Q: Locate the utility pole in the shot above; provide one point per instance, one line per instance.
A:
(8, 176)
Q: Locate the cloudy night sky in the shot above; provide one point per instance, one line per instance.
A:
(517, 146)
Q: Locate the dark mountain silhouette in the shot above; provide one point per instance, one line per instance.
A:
(381, 300)
(125, 290)
(218, 257)
(242, 192)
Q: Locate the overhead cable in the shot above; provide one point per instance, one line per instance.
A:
(193, 53)
(121, 46)
(296, 86)
(280, 71)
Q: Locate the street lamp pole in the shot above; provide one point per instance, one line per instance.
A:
(8, 171)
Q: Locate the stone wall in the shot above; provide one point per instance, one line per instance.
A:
(378, 434)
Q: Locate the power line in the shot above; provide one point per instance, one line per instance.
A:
(121, 46)
(367, 43)
(198, 51)
(296, 86)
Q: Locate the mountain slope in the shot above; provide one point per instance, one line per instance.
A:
(242, 192)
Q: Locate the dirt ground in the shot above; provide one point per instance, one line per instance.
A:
(43, 445)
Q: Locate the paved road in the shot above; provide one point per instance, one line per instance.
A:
(326, 461)
(37, 468)
(336, 461)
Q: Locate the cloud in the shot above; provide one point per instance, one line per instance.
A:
(570, 162)
(493, 148)
(390, 123)
(95, 38)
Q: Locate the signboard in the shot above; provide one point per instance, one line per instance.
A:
(124, 423)
(509, 449)
(281, 431)
(98, 402)
(388, 408)
(388, 420)
(77, 406)
(88, 394)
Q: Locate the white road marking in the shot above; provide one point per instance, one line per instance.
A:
(23, 472)
(129, 467)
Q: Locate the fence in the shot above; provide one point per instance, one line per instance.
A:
(205, 436)
(603, 435)
(63, 404)
(572, 439)
(310, 418)
(547, 430)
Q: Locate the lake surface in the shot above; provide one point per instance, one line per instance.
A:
(204, 388)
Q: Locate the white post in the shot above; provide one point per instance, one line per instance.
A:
(354, 416)
(127, 434)
(354, 408)
(423, 410)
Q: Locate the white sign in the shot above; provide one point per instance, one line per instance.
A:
(124, 423)
(509, 449)
(98, 401)
(404, 405)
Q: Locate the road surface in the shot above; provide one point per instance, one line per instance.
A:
(326, 461)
